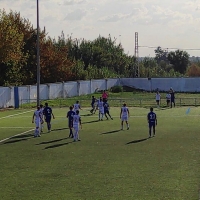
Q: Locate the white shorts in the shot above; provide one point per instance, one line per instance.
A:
(76, 128)
(124, 118)
(101, 111)
(37, 123)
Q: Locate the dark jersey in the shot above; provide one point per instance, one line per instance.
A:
(151, 117)
(70, 115)
(93, 101)
(47, 112)
(106, 107)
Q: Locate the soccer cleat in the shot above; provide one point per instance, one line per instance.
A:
(79, 140)
(111, 118)
(127, 128)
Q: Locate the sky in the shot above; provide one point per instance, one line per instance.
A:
(171, 24)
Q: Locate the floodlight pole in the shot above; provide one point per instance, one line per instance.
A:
(38, 56)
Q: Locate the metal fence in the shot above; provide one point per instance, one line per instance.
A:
(113, 102)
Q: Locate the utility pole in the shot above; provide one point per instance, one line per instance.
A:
(38, 56)
(137, 70)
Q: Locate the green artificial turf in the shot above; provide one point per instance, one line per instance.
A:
(107, 163)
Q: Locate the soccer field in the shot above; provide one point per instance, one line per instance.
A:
(107, 163)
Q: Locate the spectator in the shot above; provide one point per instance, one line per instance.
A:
(172, 97)
(158, 96)
(168, 98)
(104, 96)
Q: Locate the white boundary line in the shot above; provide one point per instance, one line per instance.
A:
(16, 114)
(16, 135)
(13, 127)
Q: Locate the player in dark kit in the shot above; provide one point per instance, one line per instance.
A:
(70, 115)
(106, 109)
(152, 120)
(93, 105)
(47, 116)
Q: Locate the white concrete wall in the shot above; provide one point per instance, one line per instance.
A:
(76, 88)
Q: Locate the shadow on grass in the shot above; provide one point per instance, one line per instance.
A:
(52, 141)
(90, 122)
(137, 141)
(15, 141)
(59, 129)
(57, 145)
(110, 132)
(22, 136)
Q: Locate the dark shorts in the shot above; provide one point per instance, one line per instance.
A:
(70, 124)
(152, 124)
(48, 119)
(106, 112)
(157, 101)
(168, 101)
(172, 100)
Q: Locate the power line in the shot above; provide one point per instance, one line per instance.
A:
(151, 47)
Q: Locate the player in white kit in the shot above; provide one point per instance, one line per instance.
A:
(77, 106)
(124, 115)
(101, 109)
(38, 119)
(76, 125)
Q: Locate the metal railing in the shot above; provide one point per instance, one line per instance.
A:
(114, 102)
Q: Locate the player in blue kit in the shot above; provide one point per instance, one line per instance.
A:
(70, 115)
(152, 120)
(106, 109)
(93, 105)
(47, 116)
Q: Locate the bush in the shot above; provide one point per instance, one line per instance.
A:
(116, 89)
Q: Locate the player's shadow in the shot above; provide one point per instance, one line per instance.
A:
(59, 129)
(22, 136)
(137, 141)
(110, 132)
(90, 122)
(57, 145)
(15, 141)
(52, 141)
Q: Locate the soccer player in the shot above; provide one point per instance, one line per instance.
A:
(106, 109)
(76, 125)
(37, 117)
(93, 105)
(124, 115)
(47, 116)
(101, 109)
(70, 115)
(158, 96)
(172, 97)
(41, 110)
(77, 106)
(152, 120)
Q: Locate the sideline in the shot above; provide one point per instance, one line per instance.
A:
(8, 138)
(16, 114)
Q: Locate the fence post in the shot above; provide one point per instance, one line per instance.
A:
(195, 102)
(140, 103)
(180, 101)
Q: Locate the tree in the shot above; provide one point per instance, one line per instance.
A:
(179, 60)
(161, 55)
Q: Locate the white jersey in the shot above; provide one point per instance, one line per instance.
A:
(37, 115)
(76, 120)
(158, 97)
(76, 107)
(168, 96)
(100, 106)
(124, 111)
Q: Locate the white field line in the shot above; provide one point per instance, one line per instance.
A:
(16, 114)
(8, 138)
(14, 127)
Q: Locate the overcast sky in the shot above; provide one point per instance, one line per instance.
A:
(165, 23)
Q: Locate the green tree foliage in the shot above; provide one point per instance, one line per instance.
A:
(179, 60)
